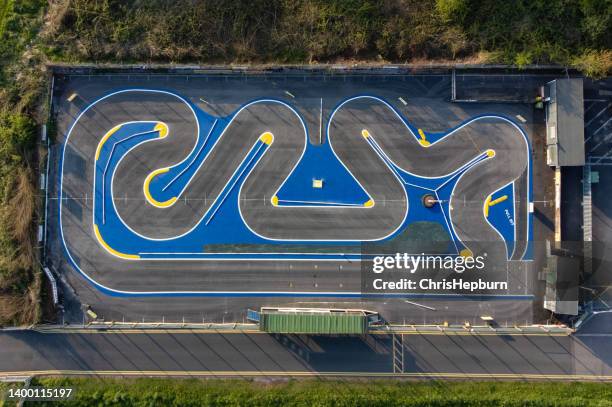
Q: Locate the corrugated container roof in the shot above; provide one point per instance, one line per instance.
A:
(313, 323)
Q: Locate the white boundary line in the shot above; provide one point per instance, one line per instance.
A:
(448, 226)
(223, 191)
(108, 162)
(194, 158)
(493, 227)
(125, 292)
(528, 175)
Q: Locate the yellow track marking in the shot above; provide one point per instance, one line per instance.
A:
(104, 139)
(489, 203)
(368, 204)
(162, 128)
(491, 153)
(486, 206)
(147, 193)
(466, 253)
(266, 138)
(365, 133)
(274, 200)
(498, 200)
(423, 141)
(110, 249)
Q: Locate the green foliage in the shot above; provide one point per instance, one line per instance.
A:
(21, 81)
(452, 10)
(523, 58)
(519, 32)
(17, 135)
(5, 6)
(596, 64)
(193, 392)
(17, 138)
(19, 22)
(534, 31)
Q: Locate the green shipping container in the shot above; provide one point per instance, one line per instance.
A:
(313, 323)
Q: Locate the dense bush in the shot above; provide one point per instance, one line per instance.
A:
(21, 83)
(519, 32)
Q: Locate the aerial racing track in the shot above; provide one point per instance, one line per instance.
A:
(172, 182)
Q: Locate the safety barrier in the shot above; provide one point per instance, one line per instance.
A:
(441, 329)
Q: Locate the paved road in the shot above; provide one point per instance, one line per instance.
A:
(598, 143)
(260, 354)
(427, 106)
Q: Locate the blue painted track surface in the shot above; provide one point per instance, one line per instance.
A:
(222, 223)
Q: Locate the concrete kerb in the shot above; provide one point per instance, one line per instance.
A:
(337, 68)
(102, 326)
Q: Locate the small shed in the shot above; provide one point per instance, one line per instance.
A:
(561, 273)
(565, 122)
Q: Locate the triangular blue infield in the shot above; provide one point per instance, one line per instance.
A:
(337, 186)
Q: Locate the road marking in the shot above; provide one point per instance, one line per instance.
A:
(205, 331)
(110, 249)
(162, 128)
(602, 126)
(195, 157)
(521, 118)
(289, 94)
(147, 192)
(321, 123)
(110, 156)
(603, 157)
(486, 206)
(604, 139)
(489, 202)
(498, 200)
(423, 141)
(466, 253)
(401, 99)
(598, 114)
(307, 373)
(317, 203)
(266, 138)
(104, 139)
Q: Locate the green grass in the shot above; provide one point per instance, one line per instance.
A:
(5, 5)
(4, 387)
(193, 392)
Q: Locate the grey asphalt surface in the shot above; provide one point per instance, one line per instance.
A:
(214, 353)
(598, 145)
(428, 108)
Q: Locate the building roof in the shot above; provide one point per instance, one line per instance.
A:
(565, 121)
